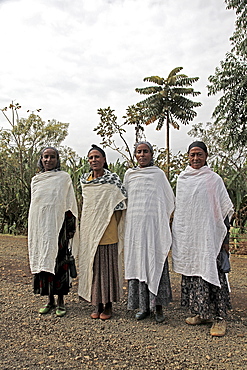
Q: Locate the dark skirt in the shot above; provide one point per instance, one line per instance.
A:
(45, 283)
(105, 285)
(205, 299)
(140, 297)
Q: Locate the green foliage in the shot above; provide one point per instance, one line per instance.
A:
(19, 151)
(168, 101)
(231, 112)
(119, 168)
(227, 137)
(239, 38)
(230, 79)
(108, 127)
(135, 115)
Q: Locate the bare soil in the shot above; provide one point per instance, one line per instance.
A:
(75, 341)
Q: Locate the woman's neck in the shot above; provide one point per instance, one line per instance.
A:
(98, 173)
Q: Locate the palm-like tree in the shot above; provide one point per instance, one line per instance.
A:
(168, 102)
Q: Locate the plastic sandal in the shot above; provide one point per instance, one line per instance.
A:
(60, 311)
(46, 309)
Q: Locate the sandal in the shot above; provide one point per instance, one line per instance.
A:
(60, 311)
(98, 310)
(47, 308)
(95, 315)
(104, 316)
(142, 315)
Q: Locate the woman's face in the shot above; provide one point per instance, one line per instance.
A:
(49, 159)
(143, 155)
(96, 160)
(197, 157)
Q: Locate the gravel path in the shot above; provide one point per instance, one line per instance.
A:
(31, 341)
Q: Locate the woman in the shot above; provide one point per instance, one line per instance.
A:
(100, 251)
(200, 241)
(147, 235)
(51, 223)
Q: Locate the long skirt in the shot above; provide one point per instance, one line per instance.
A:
(45, 283)
(105, 285)
(140, 297)
(205, 299)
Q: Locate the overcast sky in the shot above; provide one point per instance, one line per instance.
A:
(71, 57)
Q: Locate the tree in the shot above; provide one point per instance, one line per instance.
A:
(228, 135)
(168, 102)
(135, 115)
(230, 79)
(231, 112)
(239, 37)
(108, 127)
(20, 146)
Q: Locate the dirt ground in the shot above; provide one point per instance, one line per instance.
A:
(32, 341)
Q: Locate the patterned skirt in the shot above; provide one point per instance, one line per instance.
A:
(205, 299)
(105, 285)
(140, 297)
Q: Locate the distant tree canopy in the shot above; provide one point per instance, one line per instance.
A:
(230, 79)
(239, 37)
(20, 147)
(231, 112)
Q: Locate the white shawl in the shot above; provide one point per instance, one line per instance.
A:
(99, 202)
(52, 194)
(202, 204)
(147, 233)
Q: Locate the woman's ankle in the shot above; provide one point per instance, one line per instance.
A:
(108, 308)
(60, 301)
(51, 301)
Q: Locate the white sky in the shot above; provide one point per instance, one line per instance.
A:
(71, 57)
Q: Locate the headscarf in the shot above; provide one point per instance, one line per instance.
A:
(95, 147)
(199, 144)
(150, 147)
(40, 164)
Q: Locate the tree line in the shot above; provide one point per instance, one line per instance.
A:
(169, 102)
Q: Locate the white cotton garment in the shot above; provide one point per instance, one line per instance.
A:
(52, 194)
(99, 202)
(202, 204)
(147, 231)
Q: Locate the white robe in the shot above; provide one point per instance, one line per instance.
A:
(99, 202)
(147, 230)
(52, 194)
(202, 204)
